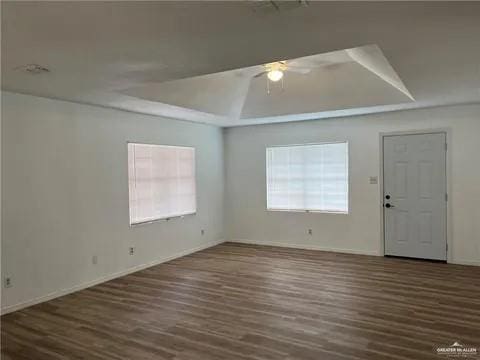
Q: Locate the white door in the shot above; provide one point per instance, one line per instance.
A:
(415, 199)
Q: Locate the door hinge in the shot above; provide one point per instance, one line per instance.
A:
(447, 247)
(446, 197)
(446, 146)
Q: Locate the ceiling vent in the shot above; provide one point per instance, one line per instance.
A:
(265, 7)
(33, 69)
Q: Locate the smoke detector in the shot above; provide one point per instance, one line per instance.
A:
(33, 69)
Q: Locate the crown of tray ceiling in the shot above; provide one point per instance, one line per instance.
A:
(350, 78)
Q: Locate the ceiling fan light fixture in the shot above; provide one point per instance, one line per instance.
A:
(275, 75)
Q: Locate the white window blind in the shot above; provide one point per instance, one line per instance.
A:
(161, 181)
(308, 177)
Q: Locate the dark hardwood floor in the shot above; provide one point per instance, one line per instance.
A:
(237, 301)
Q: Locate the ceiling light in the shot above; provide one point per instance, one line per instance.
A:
(275, 75)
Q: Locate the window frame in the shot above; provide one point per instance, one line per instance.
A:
(166, 218)
(347, 212)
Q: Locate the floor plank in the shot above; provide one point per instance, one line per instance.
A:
(238, 301)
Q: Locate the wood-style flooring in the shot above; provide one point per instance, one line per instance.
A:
(236, 301)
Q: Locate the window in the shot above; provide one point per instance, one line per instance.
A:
(308, 177)
(161, 182)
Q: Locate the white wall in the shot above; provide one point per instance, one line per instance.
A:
(65, 190)
(65, 195)
(359, 231)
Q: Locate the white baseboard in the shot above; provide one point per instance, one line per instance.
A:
(56, 294)
(306, 247)
(465, 262)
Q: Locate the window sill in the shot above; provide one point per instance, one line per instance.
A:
(310, 211)
(146, 222)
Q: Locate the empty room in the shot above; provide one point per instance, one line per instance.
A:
(251, 180)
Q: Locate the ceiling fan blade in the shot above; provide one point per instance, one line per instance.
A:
(298, 70)
(308, 63)
(304, 66)
(260, 74)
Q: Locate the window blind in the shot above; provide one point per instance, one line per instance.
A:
(161, 182)
(308, 177)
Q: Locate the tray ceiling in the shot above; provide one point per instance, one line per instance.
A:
(194, 60)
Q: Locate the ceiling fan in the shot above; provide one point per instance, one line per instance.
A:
(276, 70)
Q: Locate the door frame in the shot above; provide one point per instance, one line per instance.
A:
(448, 172)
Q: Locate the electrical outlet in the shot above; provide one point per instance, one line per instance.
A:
(132, 250)
(202, 232)
(94, 259)
(310, 232)
(8, 282)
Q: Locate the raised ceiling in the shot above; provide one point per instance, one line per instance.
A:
(343, 79)
(194, 60)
